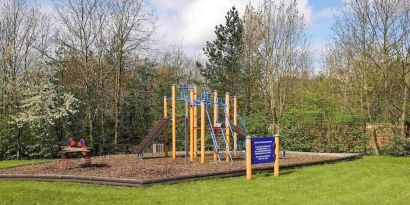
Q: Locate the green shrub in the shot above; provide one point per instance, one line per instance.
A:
(297, 138)
(400, 147)
(256, 123)
(321, 123)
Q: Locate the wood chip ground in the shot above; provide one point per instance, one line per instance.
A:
(131, 167)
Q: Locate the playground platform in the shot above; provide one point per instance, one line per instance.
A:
(127, 170)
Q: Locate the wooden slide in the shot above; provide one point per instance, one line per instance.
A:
(240, 131)
(139, 149)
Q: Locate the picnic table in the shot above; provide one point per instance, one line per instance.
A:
(86, 152)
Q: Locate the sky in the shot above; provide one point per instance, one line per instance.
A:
(190, 23)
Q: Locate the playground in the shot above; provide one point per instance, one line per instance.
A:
(210, 144)
(204, 102)
(213, 145)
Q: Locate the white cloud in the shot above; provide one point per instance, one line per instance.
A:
(201, 17)
(192, 22)
(306, 10)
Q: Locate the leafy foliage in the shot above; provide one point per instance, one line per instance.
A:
(399, 148)
(42, 106)
(321, 123)
(223, 69)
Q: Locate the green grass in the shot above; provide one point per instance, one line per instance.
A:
(371, 180)
(13, 163)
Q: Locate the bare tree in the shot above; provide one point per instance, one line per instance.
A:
(252, 38)
(81, 35)
(286, 54)
(19, 28)
(131, 24)
(403, 53)
(371, 45)
(373, 35)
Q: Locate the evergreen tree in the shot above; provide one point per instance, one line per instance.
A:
(222, 71)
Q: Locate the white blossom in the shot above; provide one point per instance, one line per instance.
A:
(42, 103)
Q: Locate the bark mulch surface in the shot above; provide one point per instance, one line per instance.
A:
(130, 167)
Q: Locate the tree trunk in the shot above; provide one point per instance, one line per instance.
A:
(373, 139)
(367, 99)
(102, 137)
(89, 115)
(404, 110)
(272, 109)
(18, 146)
(90, 122)
(116, 109)
(118, 96)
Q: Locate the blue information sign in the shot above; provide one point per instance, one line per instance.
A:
(263, 150)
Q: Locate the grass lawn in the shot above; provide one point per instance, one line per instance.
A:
(13, 163)
(371, 180)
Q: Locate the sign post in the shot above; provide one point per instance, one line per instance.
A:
(248, 158)
(276, 166)
(262, 150)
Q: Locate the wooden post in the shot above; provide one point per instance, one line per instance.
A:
(276, 166)
(248, 158)
(215, 120)
(227, 130)
(191, 126)
(202, 132)
(235, 122)
(166, 128)
(174, 123)
(195, 123)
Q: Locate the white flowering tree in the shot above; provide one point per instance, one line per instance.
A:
(42, 104)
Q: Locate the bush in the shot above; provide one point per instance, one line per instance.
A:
(399, 148)
(297, 138)
(322, 124)
(256, 123)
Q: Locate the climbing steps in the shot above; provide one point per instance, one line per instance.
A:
(155, 131)
(217, 132)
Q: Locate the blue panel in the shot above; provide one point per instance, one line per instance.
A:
(263, 150)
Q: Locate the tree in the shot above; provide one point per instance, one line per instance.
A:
(371, 45)
(79, 37)
(286, 55)
(252, 61)
(223, 69)
(132, 25)
(42, 105)
(19, 33)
